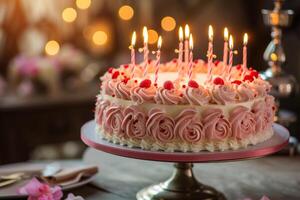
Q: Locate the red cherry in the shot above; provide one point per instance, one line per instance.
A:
(145, 83)
(110, 70)
(115, 75)
(193, 84)
(125, 80)
(239, 67)
(168, 85)
(126, 66)
(218, 81)
(216, 62)
(238, 82)
(254, 73)
(248, 78)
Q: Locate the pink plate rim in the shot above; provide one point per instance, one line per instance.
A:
(278, 141)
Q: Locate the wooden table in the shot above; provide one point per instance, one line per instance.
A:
(278, 177)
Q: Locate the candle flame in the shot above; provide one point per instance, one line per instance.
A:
(145, 34)
(159, 42)
(226, 34)
(210, 33)
(245, 39)
(230, 42)
(133, 39)
(186, 31)
(191, 42)
(180, 32)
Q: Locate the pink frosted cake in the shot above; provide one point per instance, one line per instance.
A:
(184, 114)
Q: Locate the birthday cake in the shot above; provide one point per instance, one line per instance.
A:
(172, 107)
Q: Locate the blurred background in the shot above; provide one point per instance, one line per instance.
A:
(52, 53)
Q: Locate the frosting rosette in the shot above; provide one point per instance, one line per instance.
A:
(134, 123)
(141, 95)
(189, 127)
(270, 108)
(223, 94)
(197, 96)
(109, 86)
(160, 126)
(260, 86)
(113, 120)
(122, 90)
(245, 92)
(242, 122)
(261, 115)
(100, 107)
(216, 127)
(165, 96)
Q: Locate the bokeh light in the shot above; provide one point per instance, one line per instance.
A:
(153, 36)
(99, 37)
(69, 15)
(52, 47)
(168, 23)
(126, 12)
(83, 4)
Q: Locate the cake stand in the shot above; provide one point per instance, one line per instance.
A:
(183, 185)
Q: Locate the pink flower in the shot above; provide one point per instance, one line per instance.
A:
(40, 191)
(160, 126)
(134, 123)
(189, 127)
(113, 120)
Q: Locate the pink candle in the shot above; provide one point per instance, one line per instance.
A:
(180, 53)
(225, 51)
(210, 53)
(191, 63)
(157, 58)
(230, 58)
(186, 43)
(146, 51)
(245, 54)
(133, 40)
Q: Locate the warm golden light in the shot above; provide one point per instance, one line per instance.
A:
(69, 15)
(153, 36)
(99, 38)
(191, 42)
(52, 47)
(83, 4)
(226, 34)
(159, 43)
(145, 34)
(210, 33)
(245, 39)
(168, 23)
(180, 32)
(126, 12)
(274, 57)
(230, 42)
(187, 31)
(133, 39)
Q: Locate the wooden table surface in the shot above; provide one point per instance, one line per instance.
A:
(277, 177)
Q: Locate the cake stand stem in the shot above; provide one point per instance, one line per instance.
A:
(181, 185)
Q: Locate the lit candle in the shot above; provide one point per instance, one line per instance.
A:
(245, 54)
(230, 57)
(159, 42)
(225, 51)
(180, 52)
(186, 43)
(133, 40)
(146, 51)
(210, 53)
(191, 45)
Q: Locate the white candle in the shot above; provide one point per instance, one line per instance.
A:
(225, 51)
(133, 40)
(186, 43)
(157, 58)
(146, 51)
(191, 63)
(245, 54)
(210, 52)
